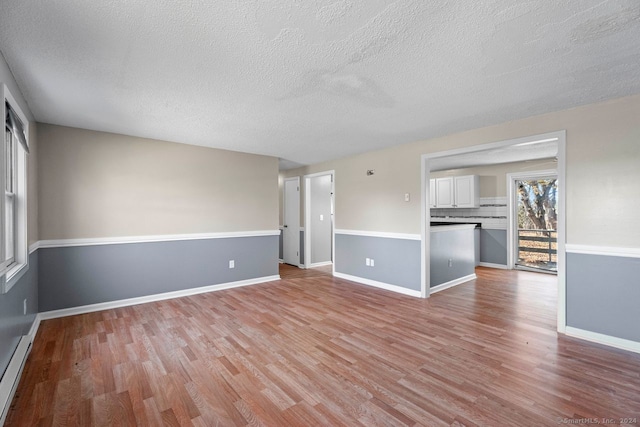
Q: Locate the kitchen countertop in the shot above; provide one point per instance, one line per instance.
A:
(438, 223)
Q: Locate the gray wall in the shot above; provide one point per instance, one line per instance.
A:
(82, 275)
(397, 261)
(603, 293)
(493, 246)
(457, 246)
(320, 228)
(13, 323)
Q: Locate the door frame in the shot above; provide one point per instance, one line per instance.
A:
(284, 217)
(425, 212)
(307, 217)
(512, 226)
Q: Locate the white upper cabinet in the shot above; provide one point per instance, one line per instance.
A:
(467, 190)
(432, 193)
(445, 193)
(455, 192)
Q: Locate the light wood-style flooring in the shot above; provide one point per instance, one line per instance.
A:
(314, 350)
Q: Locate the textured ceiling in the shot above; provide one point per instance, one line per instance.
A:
(309, 81)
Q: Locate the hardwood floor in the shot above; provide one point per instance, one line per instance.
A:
(314, 350)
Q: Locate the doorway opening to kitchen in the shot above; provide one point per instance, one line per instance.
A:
(549, 148)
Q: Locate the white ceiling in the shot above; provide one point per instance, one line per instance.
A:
(309, 81)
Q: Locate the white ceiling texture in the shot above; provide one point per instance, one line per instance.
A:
(309, 81)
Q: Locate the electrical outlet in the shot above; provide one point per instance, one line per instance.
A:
(367, 262)
(407, 197)
(450, 262)
(24, 306)
(232, 263)
(373, 263)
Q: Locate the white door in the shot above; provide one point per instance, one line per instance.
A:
(291, 226)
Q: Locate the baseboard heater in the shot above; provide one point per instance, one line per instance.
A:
(11, 377)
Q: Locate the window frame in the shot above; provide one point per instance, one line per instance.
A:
(10, 274)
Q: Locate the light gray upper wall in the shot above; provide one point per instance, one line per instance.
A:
(98, 184)
(493, 179)
(603, 148)
(32, 185)
(281, 177)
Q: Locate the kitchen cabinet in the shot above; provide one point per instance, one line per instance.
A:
(457, 192)
(445, 192)
(467, 191)
(432, 193)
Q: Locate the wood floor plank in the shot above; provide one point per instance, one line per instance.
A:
(312, 349)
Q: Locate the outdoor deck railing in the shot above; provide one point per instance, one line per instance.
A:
(537, 241)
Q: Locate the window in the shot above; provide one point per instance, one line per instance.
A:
(14, 256)
(9, 198)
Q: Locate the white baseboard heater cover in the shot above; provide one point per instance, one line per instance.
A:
(11, 377)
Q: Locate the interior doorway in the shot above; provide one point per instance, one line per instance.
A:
(534, 213)
(319, 219)
(548, 145)
(291, 220)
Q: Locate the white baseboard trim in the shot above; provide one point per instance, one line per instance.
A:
(491, 265)
(381, 285)
(603, 250)
(608, 340)
(12, 375)
(320, 264)
(34, 327)
(452, 283)
(151, 298)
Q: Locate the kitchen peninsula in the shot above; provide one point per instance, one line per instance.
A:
(453, 255)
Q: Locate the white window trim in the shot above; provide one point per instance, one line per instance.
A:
(11, 276)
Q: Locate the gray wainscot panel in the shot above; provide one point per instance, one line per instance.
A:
(397, 261)
(603, 295)
(452, 254)
(13, 323)
(82, 275)
(493, 246)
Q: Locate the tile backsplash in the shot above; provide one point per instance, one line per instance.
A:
(492, 213)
